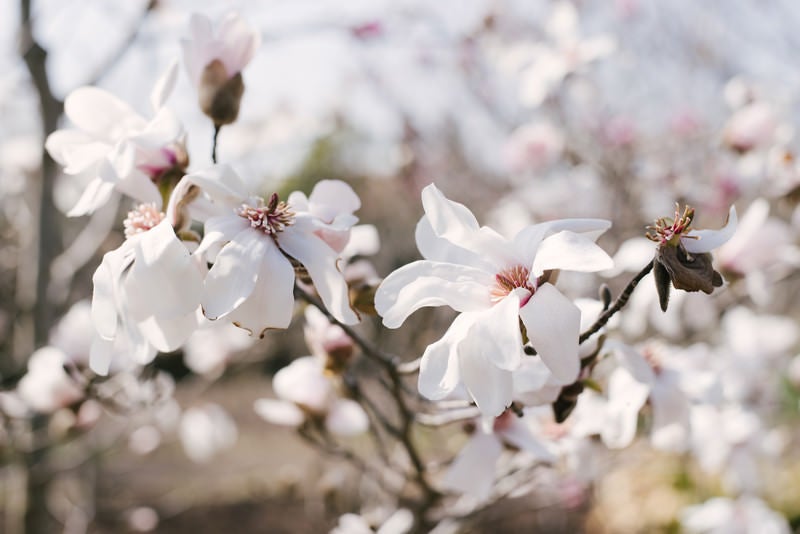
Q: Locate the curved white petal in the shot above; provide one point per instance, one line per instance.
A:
(330, 198)
(528, 239)
(698, 241)
(279, 412)
(219, 229)
(164, 281)
(488, 385)
(571, 252)
(271, 303)
(473, 470)
(168, 334)
(439, 369)
(232, 278)
(303, 382)
(96, 194)
(100, 113)
(221, 184)
(626, 396)
(164, 86)
(553, 322)
(426, 283)
(100, 355)
(61, 142)
(435, 248)
(518, 434)
(346, 418)
(496, 332)
(321, 262)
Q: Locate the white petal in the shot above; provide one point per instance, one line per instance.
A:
(435, 248)
(473, 470)
(220, 183)
(94, 196)
(518, 434)
(279, 412)
(167, 335)
(529, 238)
(100, 113)
(438, 371)
(271, 303)
(220, 229)
(496, 332)
(488, 385)
(426, 283)
(303, 382)
(164, 280)
(164, 86)
(100, 355)
(670, 417)
(707, 240)
(104, 295)
(571, 252)
(232, 278)
(61, 142)
(626, 398)
(346, 418)
(364, 241)
(456, 223)
(321, 262)
(331, 198)
(553, 322)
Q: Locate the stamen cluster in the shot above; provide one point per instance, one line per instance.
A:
(271, 218)
(510, 279)
(141, 219)
(669, 231)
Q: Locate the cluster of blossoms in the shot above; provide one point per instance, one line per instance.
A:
(210, 264)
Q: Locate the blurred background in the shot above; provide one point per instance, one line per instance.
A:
(524, 110)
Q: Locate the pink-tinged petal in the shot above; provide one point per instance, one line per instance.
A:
(426, 283)
(271, 303)
(298, 201)
(496, 332)
(232, 278)
(239, 43)
(473, 470)
(346, 418)
(100, 355)
(331, 198)
(439, 369)
(279, 412)
(220, 183)
(489, 386)
(321, 262)
(364, 241)
(164, 281)
(167, 335)
(196, 50)
(100, 113)
(164, 86)
(518, 434)
(553, 322)
(96, 194)
(456, 223)
(699, 241)
(626, 396)
(303, 382)
(571, 252)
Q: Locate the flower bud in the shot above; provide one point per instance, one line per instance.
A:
(689, 272)
(219, 94)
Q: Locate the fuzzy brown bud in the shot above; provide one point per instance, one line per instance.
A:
(219, 94)
(689, 272)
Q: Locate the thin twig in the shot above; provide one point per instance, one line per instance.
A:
(217, 128)
(622, 299)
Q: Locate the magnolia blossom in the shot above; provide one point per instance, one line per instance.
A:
(306, 390)
(473, 470)
(495, 283)
(122, 150)
(206, 430)
(46, 386)
(215, 60)
(252, 280)
(212, 345)
(146, 292)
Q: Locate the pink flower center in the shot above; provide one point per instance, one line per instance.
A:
(271, 218)
(141, 219)
(669, 231)
(510, 279)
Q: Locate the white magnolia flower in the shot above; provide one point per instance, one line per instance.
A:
(473, 470)
(46, 386)
(306, 390)
(212, 345)
(121, 149)
(400, 522)
(146, 292)
(252, 280)
(495, 283)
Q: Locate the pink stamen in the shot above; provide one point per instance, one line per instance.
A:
(510, 279)
(141, 219)
(271, 218)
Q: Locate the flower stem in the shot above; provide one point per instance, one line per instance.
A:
(217, 128)
(622, 299)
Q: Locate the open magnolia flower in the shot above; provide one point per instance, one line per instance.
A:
(146, 292)
(252, 280)
(215, 62)
(496, 283)
(683, 254)
(121, 149)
